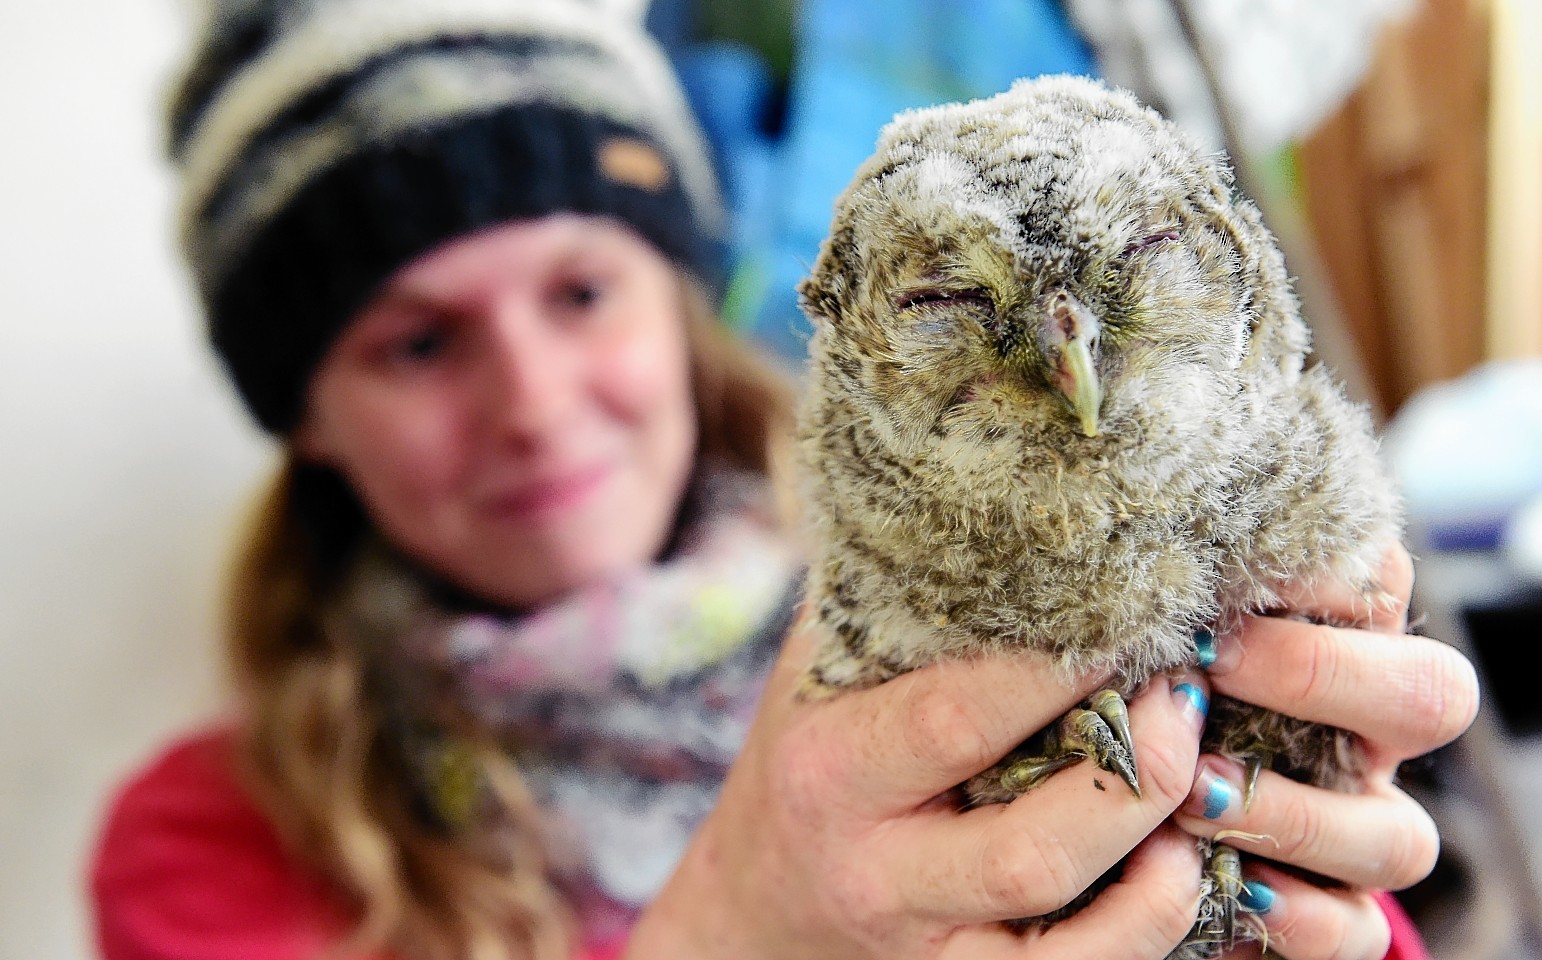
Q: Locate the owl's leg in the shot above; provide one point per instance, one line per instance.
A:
(1222, 885)
(1101, 733)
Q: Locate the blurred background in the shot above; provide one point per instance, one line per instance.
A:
(1396, 146)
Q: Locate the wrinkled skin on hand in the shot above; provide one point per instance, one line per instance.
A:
(837, 833)
(1401, 696)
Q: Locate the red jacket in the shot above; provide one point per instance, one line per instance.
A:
(187, 868)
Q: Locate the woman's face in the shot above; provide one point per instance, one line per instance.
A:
(514, 408)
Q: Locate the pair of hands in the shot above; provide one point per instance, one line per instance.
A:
(834, 838)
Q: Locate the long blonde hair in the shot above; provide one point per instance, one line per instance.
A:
(312, 746)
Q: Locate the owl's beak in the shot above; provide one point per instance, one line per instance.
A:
(1069, 339)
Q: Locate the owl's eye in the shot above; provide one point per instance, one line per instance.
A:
(976, 300)
(1147, 242)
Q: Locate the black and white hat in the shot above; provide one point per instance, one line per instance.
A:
(323, 144)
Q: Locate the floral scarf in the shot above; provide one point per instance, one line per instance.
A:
(623, 703)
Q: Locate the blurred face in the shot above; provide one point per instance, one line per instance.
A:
(514, 409)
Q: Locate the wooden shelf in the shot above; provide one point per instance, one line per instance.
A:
(1515, 178)
(1424, 194)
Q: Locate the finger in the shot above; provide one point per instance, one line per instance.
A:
(1306, 922)
(1145, 913)
(1381, 606)
(1380, 839)
(1035, 854)
(902, 742)
(1405, 694)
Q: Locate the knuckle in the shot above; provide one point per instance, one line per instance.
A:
(1167, 770)
(805, 771)
(1442, 698)
(1429, 720)
(858, 898)
(1170, 913)
(1367, 939)
(1455, 704)
(1381, 604)
(1413, 853)
(1301, 838)
(1027, 877)
(1160, 921)
(941, 730)
(1397, 574)
(1335, 928)
(1317, 665)
(1334, 931)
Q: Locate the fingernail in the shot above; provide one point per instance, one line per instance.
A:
(1217, 655)
(1204, 642)
(1256, 897)
(1193, 699)
(1213, 795)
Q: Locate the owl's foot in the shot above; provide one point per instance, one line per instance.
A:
(1101, 731)
(1109, 705)
(1222, 886)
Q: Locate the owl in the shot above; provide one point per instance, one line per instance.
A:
(1058, 401)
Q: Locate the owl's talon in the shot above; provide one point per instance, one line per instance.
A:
(1252, 765)
(1025, 774)
(1085, 732)
(1102, 733)
(1109, 705)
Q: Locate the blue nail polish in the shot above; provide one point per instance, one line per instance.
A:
(1255, 897)
(1197, 698)
(1217, 798)
(1204, 642)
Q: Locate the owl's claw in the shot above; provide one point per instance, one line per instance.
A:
(1025, 774)
(1109, 705)
(1252, 765)
(1217, 921)
(1101, 733)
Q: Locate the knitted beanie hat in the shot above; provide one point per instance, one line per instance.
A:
(323, 144)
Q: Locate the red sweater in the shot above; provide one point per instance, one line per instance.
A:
(187, 868)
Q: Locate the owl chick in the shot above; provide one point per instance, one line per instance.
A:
(1058, 402)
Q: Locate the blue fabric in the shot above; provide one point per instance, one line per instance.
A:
(858, 63)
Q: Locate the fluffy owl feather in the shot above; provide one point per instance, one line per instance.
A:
(1058, 401)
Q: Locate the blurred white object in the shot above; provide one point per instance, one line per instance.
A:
(1282, 65)
(1522, 542)
(1468, 454)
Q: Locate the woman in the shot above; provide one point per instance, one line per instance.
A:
(459, 259)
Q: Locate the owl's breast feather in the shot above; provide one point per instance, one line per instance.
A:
(1067, 559)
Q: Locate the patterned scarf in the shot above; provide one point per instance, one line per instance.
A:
(623, 703)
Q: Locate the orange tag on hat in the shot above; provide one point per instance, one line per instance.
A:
(634, 163)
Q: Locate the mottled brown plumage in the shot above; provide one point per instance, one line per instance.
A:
(1058, 402)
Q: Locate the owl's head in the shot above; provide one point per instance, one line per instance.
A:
(1056, 260)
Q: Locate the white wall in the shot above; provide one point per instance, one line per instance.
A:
(124, 461)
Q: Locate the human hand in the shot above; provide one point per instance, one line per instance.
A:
(1402, 696)
(837, 833)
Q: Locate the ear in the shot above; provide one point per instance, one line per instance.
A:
(1280, 336)
(821, 293)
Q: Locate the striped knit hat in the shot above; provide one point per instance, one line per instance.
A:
(323, 144)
